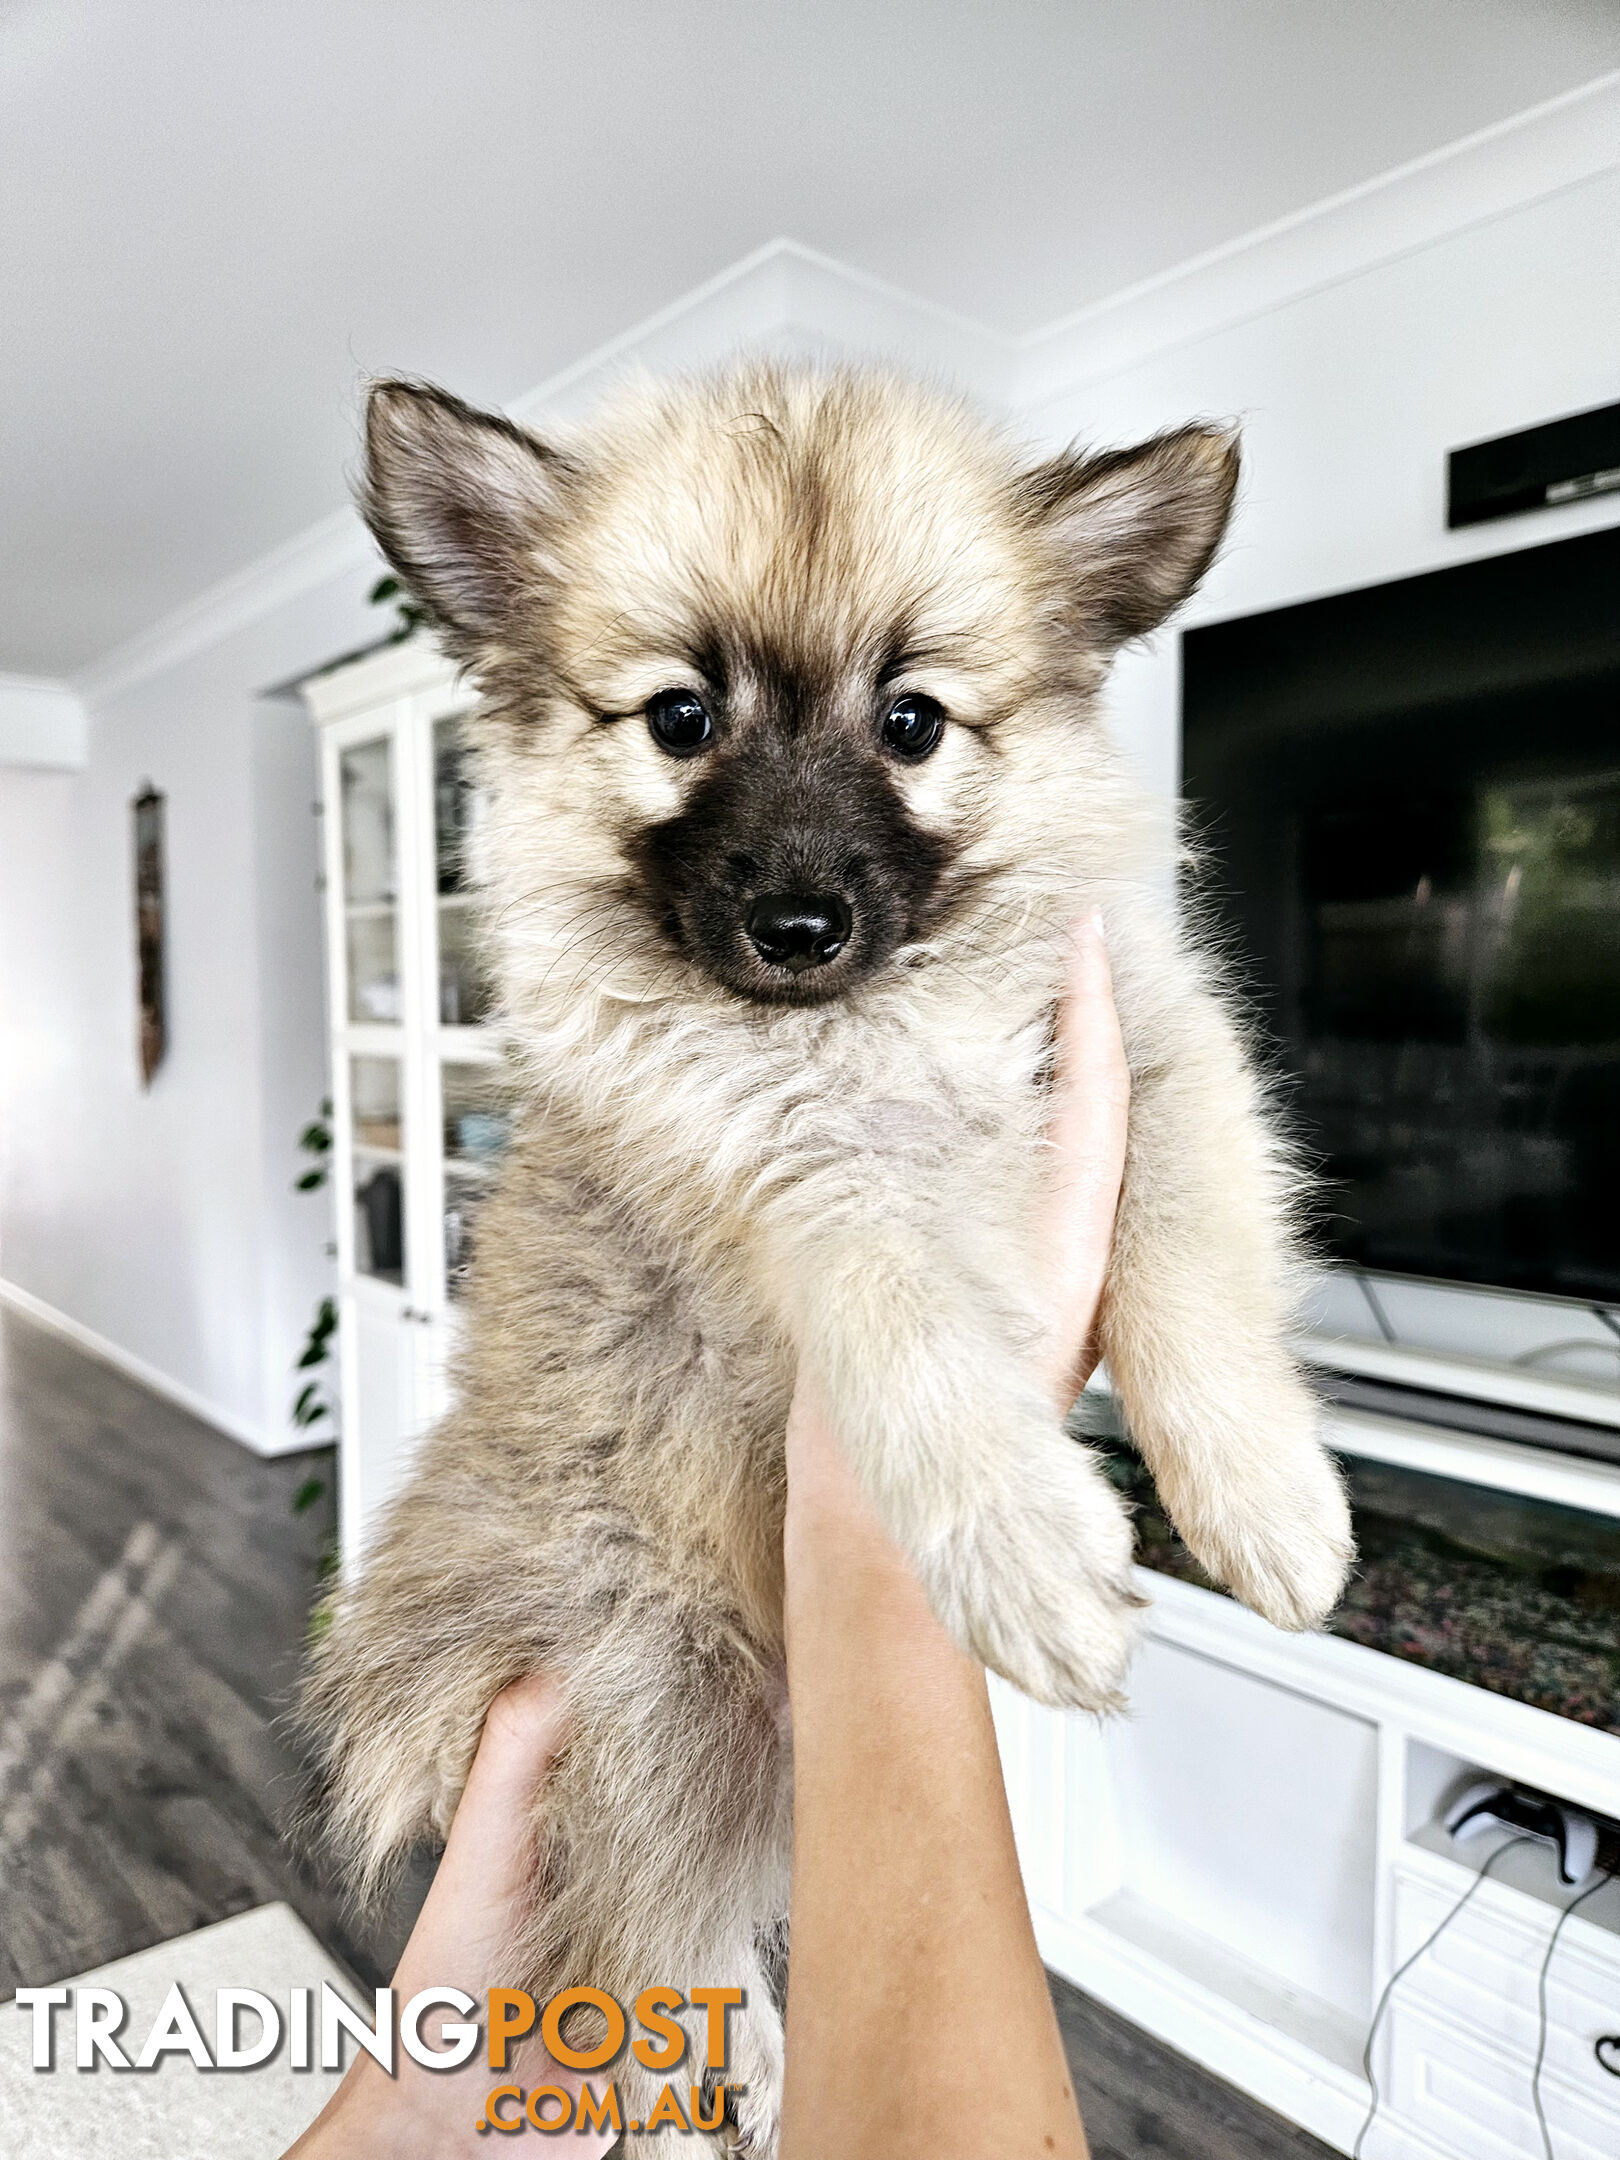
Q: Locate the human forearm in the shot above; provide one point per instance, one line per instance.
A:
(918, 2018)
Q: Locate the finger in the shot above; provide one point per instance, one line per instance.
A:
(523, 1729)
(1087, 1132)
(1091, 1101)
(468, 1914)
(1091, 1049)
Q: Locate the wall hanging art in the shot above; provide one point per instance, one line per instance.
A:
(150, 902)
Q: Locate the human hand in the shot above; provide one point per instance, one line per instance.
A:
(460, 1939)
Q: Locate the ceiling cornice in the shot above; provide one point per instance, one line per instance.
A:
(1519, 161)
(787, 298)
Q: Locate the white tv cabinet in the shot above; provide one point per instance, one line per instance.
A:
(1241, 1861)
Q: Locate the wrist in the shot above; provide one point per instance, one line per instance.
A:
(832, 1539)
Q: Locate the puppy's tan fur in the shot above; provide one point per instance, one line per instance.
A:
(709, 1193)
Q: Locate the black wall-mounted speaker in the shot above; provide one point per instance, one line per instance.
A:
(1561, 461)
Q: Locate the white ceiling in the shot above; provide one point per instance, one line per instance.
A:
(215, 218)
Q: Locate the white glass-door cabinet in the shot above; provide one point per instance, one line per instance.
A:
(419, 1112)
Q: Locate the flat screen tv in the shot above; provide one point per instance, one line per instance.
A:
(1408, 803)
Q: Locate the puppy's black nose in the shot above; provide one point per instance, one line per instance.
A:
(798, 930)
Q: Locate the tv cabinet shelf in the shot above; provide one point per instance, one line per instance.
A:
(1237, 1864)
(1481, 1379)
(1498, 1465)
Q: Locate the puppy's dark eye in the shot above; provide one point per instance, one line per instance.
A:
(913, 725)
(679, 722)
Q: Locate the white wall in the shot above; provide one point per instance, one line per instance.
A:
(1349, 399)
(298, 1268)
(163, 1223)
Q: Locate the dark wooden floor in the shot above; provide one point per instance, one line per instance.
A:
(155, 1584)
(1140, 2100)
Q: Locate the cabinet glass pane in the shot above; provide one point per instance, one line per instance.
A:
(477, 1126)
(370, 880)
(379, 1167)
(464, 990)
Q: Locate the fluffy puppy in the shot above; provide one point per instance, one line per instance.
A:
(795, 781)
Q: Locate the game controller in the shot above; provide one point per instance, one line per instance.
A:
(1491, 1805)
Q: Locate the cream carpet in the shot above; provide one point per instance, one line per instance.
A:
(174, 2111)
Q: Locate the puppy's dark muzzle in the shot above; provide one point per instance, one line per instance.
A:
(797, 931)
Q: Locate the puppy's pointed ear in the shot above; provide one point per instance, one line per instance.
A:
(462, 503)
(1134, 530)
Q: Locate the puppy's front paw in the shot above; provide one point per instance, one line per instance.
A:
(1037, 1585)
(1280, 1538)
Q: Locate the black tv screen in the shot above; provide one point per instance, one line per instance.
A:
(1408, 804)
